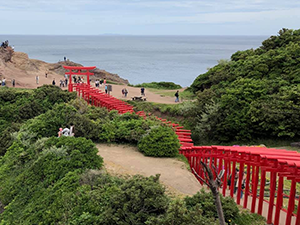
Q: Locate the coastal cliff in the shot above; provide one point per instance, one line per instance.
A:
(18, 66)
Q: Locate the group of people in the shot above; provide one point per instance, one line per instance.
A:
(66, 132)
(124, 92)
(99, 83)
(78, 79)
(5, 44)
(236, 181)
(3, 82)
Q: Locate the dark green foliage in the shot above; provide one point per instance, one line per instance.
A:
(137, 200)
(160, 141)
(5, 137)
(159, 85)
(255, 95)
(34, 176)
(17, 106)
(247, 218)
(178, 214)
(205, 201)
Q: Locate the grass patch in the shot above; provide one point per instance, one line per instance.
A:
(183, 95)
(183, 159)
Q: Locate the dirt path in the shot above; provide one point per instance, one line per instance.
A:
(30, 82)
(126, 160)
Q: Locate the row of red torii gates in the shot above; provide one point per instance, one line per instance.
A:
(259, 164)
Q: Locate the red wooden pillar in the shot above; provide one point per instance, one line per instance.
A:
(291, 206)
(232, 185)
(272, 196)
(220, 165)
(247, 185)
(254, 190)
(241, 175)
(70, 86)
(279, 200)
(261, 191)
(298, 213)
(225, 177)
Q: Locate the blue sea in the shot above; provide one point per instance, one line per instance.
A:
(139, 59)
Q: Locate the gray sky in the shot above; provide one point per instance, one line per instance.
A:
(148, 17)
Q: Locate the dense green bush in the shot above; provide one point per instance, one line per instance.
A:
(159, 85)
(17, 106)
(160, 141)
(253, 96)
(205, 201)
(31, 170)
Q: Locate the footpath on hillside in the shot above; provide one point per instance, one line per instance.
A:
(127, 160)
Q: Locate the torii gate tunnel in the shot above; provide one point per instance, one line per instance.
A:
(256, 165)
(78, 70)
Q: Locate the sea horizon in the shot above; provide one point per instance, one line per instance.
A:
(138, 58)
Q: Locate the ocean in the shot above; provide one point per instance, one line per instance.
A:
(179, 59)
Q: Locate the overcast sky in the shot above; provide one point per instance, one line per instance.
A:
(148, 17)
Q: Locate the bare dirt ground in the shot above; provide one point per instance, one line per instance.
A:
(29, 81)
(126, 160)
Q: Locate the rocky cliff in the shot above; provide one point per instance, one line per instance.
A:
(18, 66)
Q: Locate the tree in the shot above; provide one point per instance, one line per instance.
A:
(214, 185)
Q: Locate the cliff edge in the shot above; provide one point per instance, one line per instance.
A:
(18, 66)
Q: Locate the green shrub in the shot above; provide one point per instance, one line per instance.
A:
(159, 85)
(137, 200)
(178, 214)
(160, 141)
(253, 96)
(36, 177)
(247, 218)
(205, 201)
(6, 139)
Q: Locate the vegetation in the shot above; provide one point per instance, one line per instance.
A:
(57, 180)
(159, 85)
(159, 142)
(253, 96)
(17, 106)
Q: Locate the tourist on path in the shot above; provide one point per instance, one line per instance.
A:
(143, 91)
(53, 82)
(177, 96)
(3, 83)
(37, 79)
(13, 82)
(125, 92)
(106, 89)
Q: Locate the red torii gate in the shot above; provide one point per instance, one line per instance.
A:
(78, 71)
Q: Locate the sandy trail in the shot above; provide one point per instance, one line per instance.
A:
(126, 160)
(29, 81)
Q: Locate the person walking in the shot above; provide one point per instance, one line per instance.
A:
(177, 96)
(143, 91)
(13, 82)
(125, 92)
(3, 83)
(37, 79)
(106, 90)
(53, 82)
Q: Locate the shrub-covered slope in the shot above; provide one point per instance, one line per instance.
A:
(17, 106)
(254, 95)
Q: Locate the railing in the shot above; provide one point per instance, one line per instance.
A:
(245, 168)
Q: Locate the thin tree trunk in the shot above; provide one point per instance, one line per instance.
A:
(219, 208)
